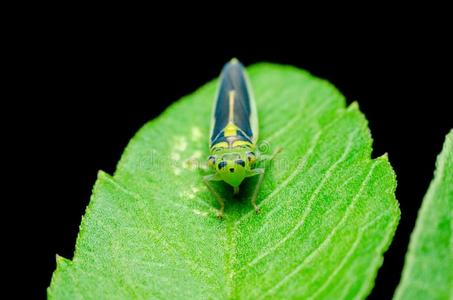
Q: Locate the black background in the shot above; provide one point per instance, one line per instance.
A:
(91, 89)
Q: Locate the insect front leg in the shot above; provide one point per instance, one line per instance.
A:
(219, 199)
(260, 172)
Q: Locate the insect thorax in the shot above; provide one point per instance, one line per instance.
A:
(240, 152)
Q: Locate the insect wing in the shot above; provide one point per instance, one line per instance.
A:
(234, 103)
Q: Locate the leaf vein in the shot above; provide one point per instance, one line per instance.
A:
(348, 255)
(326, 176)
(325, 242)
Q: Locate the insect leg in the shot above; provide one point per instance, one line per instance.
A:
(236, 190)
(257, 171)
(219, 199)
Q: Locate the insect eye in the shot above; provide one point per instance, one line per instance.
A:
(222, 164)
(251, 157)
(211, 161)
(240, 162)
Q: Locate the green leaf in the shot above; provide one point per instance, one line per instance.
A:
(328, 210)
(428, 270)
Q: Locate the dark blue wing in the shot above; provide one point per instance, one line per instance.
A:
(233, 78)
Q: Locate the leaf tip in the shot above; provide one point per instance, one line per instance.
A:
(102, 174)
(101, 178)
(58, 258)
(384, 156)
(61, 261)
(450, 135)
(354, 106)
(61, 264)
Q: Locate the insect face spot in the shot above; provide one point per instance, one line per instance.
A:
(211, 161)
(222, 164)
(251, 157)
(240, 162)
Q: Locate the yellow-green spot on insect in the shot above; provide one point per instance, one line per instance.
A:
(234, 134)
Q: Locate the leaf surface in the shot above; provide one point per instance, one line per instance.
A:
(428, 270)
(328, 209)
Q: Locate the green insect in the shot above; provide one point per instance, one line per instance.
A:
(234, 134)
